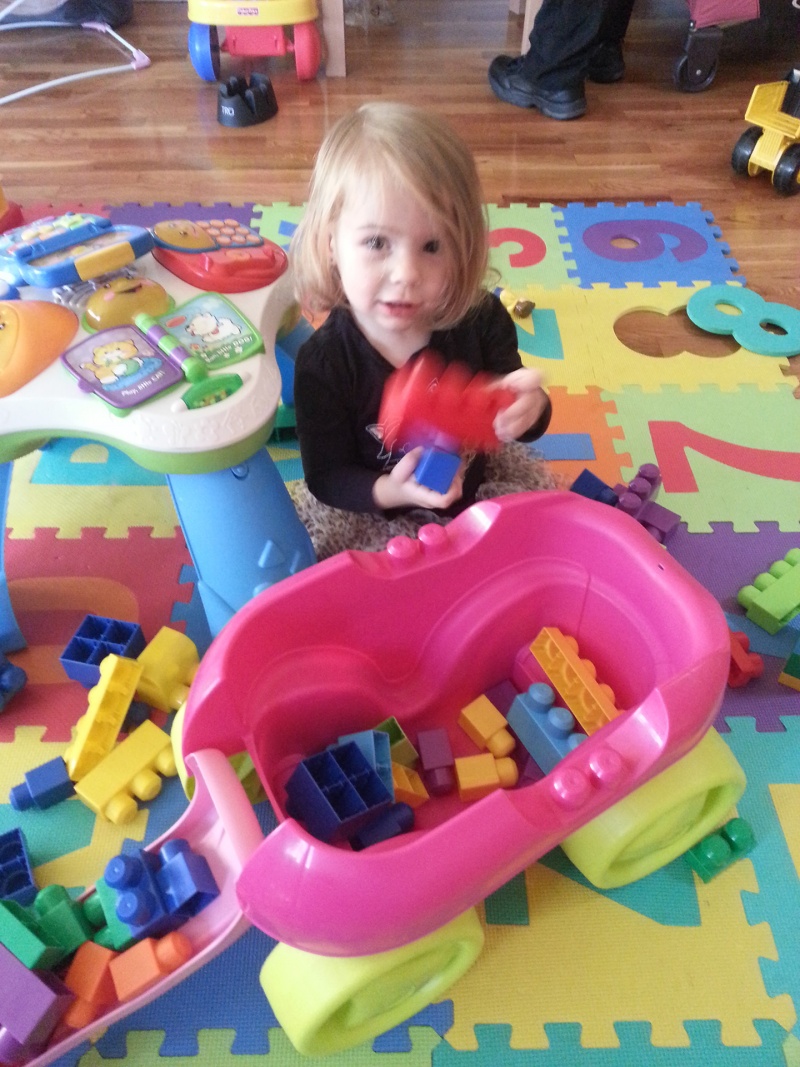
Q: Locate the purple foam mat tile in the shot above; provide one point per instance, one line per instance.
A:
(150, 214)
(724, 561)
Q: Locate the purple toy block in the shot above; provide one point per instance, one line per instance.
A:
(16, 877)
(43, 787)
(436, 760)
(31, 1004)
(548, 733)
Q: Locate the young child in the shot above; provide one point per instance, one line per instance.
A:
(394, 246)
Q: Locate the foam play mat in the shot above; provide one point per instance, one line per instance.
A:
(670, 971)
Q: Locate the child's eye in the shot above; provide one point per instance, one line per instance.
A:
(376, 243)
(432, 246)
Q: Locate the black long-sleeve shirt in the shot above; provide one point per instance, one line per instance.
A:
(339, 380)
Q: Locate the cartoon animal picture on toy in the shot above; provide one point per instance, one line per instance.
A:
(118, 361)
(210, 329)
(118, 301)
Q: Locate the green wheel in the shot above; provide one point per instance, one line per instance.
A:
(660, 820)
(327, 1004)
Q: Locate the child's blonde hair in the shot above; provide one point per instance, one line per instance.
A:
(394, 145)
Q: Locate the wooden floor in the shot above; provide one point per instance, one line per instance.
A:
(153, 135)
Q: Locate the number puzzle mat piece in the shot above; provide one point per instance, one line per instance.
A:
(723, 456)
(651, 244)
(668, 972)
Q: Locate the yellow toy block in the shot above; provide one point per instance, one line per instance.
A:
(169, 663)
(408, 786)
(486, 727)
(130, 770)
(477, 776)
(592, 703)
(96, 732)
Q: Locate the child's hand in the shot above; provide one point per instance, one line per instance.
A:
(529, 404)
(400, 489)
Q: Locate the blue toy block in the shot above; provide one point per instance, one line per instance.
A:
(44, 786)
(548, 733)
(12, 680)
(136, 715)
(594, 488)
(139, 904)
(184, 879)
(377, 748)
(397, 820)
(335, 793)
(16, 877)
(95, 639)
(437, 468)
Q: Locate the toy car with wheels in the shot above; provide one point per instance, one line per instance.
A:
(772, 142)
(417, 632)
(261, 28)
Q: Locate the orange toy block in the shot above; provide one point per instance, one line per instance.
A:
(147, 962)
(477, 776)
(96, 731)
(89, 978)
(131, 770)
(169, 663)
(408, 786)
(486, 727)
(591, 702)
(745, 665)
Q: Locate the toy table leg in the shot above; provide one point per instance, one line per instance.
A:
(11, 637)
(242, 531)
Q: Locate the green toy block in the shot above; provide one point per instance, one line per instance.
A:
(774, 597)
(61, 919)
(401, 748)
(719, 850)
(21, 936)
(100, 910)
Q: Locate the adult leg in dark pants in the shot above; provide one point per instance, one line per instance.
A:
(564, 37)
(606, 63)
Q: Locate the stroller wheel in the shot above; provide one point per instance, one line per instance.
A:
(694, 79)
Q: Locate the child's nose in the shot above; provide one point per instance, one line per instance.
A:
(405, 267)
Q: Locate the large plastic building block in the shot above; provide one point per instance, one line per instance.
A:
(131, 770)
(486, 727)
(401, 748)
(157, 892)
(21, 935)
(429, 403)
(790, 675)
(477, 776)
(636, 500)
(169, 663)
(437, 765)
(96, 638)
(89, 979)
(43, 786)
(31, 1005)
(593, 488)
(16, 877)
(12, 680)
(97, 730)
(335, 793)
(377, 750)
(745, 665)
(774, 597)
(591, 702)
(398, 819)
(437, 468)
(61, 919)
(548, 733)
(719, 850)
(148, 961)
(408, 786)
(100, 908)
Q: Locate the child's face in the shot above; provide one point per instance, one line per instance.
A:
(394, 263)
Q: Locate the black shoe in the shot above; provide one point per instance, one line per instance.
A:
(606, 64)
(510, 84)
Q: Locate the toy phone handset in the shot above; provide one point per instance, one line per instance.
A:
(59, 250)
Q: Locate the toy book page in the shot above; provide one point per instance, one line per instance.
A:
(211, 327)
(122, 367)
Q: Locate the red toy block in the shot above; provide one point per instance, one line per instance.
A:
(745, 665)
(147, 962)
(427, 402)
